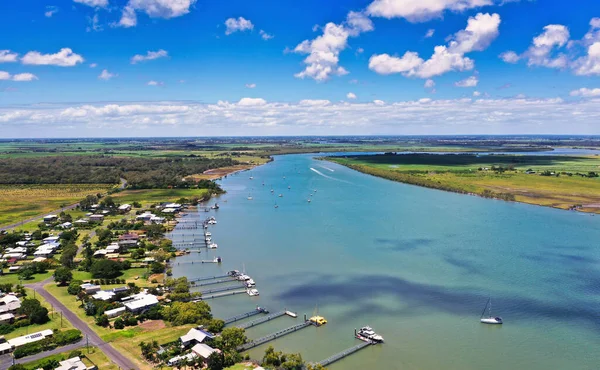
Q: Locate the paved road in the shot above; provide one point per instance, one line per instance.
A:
(94, 340)
(7, 360)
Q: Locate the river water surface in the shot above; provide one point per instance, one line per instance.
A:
(416, 264)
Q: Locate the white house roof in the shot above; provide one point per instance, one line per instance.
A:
(39, 259)
(74, 363)
(141, 300)
(124, 206)
(50, 239)
(193, 334)
(103, 295)
(30, 338)
(115, 311)
(177, 359)
(203, 350)
(6, 316)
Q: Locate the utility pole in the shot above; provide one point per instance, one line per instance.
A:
(61, 319)
(87, 343)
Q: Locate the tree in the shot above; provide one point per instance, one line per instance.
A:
(25, 273)
(157, 268)
(105, 269)
(33, 309)
(62, 275)
(231, 338)
(315, 367)
(215, 361)
(119, 324)
(102, 320)
(74, 287)
(215, 325)
(181, 313)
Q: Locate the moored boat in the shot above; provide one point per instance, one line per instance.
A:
(493, 320)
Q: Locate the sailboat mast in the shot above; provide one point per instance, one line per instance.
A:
(486, 306)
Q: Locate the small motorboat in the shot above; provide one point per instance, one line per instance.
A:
(213, 246)
(280, 195)
(208, 233)
(289, 187)
(250, 283)
(494, 320)
(367, 334)
(308, 200)
(216, 206)
(252, 292)
(250, 198)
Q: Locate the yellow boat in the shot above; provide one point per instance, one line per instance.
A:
(318, 320)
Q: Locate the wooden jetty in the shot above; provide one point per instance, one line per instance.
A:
(270, 337)
(210, 278)
(344, 353)
(223, 289)
(256, 311)
(267, 318)
(214, 282)
(224, 294)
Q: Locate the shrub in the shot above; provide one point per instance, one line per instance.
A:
(119, 324)
(27, 349)
(5, 329)
(74, 287)
(102, 320)
(106, 269)
(65, 337)
(131, 321)
(76, 353)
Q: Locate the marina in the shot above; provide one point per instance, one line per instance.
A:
(395, 262)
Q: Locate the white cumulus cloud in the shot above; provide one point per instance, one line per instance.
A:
(106, 75)
(323, 51)
(239, 24)
(155, 83)
(481, 30)
(166, 9)
(93, 3)
(585, 92)
(429, 84)
(250, 86)
(64, 58)
(21, 77)
(251, 102)
(7, 56)
(150, 55)
(351, 95)
(467, 82)
(420, 10)
(429, 33)
(265, 36)
(50, 11)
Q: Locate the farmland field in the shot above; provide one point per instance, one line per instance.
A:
(20, 202)
(566, 181)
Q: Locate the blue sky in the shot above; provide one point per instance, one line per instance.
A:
(232, 67)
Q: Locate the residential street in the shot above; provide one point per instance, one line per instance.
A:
(94, 340)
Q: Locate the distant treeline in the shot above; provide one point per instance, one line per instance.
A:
(140, 173)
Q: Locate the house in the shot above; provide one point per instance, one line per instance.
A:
(195, 336)
(30, 338)
(103, 295)
(100, 253)
(112, 248)
(16, 250)
(169, 210)
(157, 220)
(203, 351)
(140, 302)
(146, 216)
(90, 288)
(175, 206)
(39, 259)
(74, 363)
(81, 222)
(126, 244)
(96, 218)
(178, 359)
(51, 240)
(50, 218)
(14, 268)
(45, 250)
(129, 236)
(66, 225)
(6, 318)
(16, 256)
(124, 208)
(9, 303)
(115, 312)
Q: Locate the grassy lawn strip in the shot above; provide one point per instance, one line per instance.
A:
(18, 202)
(54, 322)
(95, 356)
(13, 278)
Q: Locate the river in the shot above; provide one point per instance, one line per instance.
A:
(416, 264)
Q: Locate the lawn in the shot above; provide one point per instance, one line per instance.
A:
(20, 202)
(13, 278)
(92, 356)
(129, 275)
(241, 366)
(475, 174)
(54, 323)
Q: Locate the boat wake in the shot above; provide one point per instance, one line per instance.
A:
(327, 168)
(328, 177)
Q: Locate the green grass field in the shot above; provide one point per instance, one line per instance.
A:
(474, 174)
(19, 202)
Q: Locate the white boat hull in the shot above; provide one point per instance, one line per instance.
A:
(491, 321)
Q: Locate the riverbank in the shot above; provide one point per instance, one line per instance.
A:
(562, 182)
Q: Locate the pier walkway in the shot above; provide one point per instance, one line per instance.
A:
(220, 281)
(242, 316)
(270, 337)
(210, 278)
(223, 289)
(253, 323)
(347, 352)
(225, 294)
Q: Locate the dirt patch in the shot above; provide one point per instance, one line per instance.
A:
(152, 325)
(219, 172)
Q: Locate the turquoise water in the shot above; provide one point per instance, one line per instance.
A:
(416, 264)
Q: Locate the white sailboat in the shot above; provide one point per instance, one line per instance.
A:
(489, 319)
